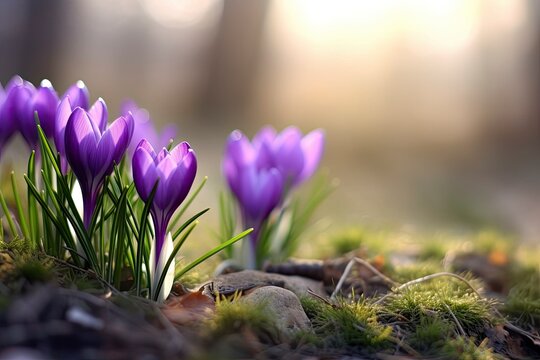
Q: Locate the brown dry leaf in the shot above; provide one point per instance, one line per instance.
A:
(184, 309)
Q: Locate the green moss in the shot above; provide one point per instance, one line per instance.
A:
(443, 297)
(348, 241)
(431, 333)
(347, 324)
(462, 348)
(523, 302)
(35, 271)
(234, 317)
(374, 241)
(18, 246)
(489, 240)
(433, 251)
(417, 270)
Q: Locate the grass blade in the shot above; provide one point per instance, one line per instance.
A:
(212, 253)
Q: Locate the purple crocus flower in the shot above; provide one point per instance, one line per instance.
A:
(297, 157)
(261, 172)
(92, 149)
(44, 102)
(17, 95)
(76, 96)
(175, 171)
(144, 128)
(254, 181)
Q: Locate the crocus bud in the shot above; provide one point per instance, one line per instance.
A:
(92, 149)
(79, 95)
(44, 102)
(175, 171)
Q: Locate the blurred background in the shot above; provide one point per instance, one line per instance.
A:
(431, 108)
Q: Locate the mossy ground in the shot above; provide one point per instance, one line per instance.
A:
(441, 318)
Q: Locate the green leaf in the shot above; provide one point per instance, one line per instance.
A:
(20, 212)
(187, 203)
(32, 206)
(140, 243)
(188, 222)
(211, 253)
(12, 227)
(171, 258)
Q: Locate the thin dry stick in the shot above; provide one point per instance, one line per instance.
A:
(461, 330)
(348, 270)
(319, 297)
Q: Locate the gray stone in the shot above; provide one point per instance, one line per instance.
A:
(228, 284)
(284, 308)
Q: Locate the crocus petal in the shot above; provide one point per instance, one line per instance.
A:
(78, 95)
(288, 153)
(45, 103)
(232, 175)
(16, 80)
(144, 172)
(180, 181)
(14, 112)
(266, 135)
(165, 169)
(98, 114)
(2, 95)
(146, 145)
(80, 145)
(239, 149)
(261, 193)
(111, 148)
(62, 116)
(180, 151)
(313, 147)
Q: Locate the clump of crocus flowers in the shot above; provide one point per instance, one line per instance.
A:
(84, 154)
(262, 172)
(74, 146)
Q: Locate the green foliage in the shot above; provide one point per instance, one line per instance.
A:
(116, 244)
(446, 298)
(431, 334)
(374, 241)
(235, 316)
(462, 348)
(432, 251)
(416, 270)
(347, 324)
(349, 240)
(280, 235)
(523, 302)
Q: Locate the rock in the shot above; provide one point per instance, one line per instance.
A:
(494, 271)
(228, 284)
(300, 286)
(284, 308)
